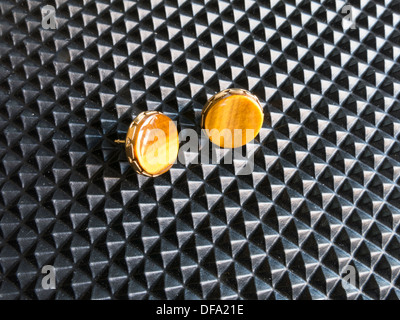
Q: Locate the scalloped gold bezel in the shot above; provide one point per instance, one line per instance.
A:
(129, 143)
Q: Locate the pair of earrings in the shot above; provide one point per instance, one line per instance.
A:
(152, 141)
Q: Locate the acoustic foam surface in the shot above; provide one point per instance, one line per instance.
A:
(324, 194)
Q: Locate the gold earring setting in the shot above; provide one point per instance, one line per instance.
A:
(232, 118)
(151, 143)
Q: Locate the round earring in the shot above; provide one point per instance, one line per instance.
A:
(151, 143)
(232, 118)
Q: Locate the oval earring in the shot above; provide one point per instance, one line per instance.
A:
(232, 118)
(151, 143)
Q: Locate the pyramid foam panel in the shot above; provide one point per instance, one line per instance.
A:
(324, 194)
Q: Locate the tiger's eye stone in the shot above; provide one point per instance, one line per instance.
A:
(232, 118)
(152, 143)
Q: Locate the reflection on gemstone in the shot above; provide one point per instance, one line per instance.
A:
(155, 143)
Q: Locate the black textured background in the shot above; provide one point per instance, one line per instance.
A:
(324, 193)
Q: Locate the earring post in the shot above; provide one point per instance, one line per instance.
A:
(119, 141)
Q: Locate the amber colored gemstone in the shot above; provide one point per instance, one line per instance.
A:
(232, 118)
(152, 143)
